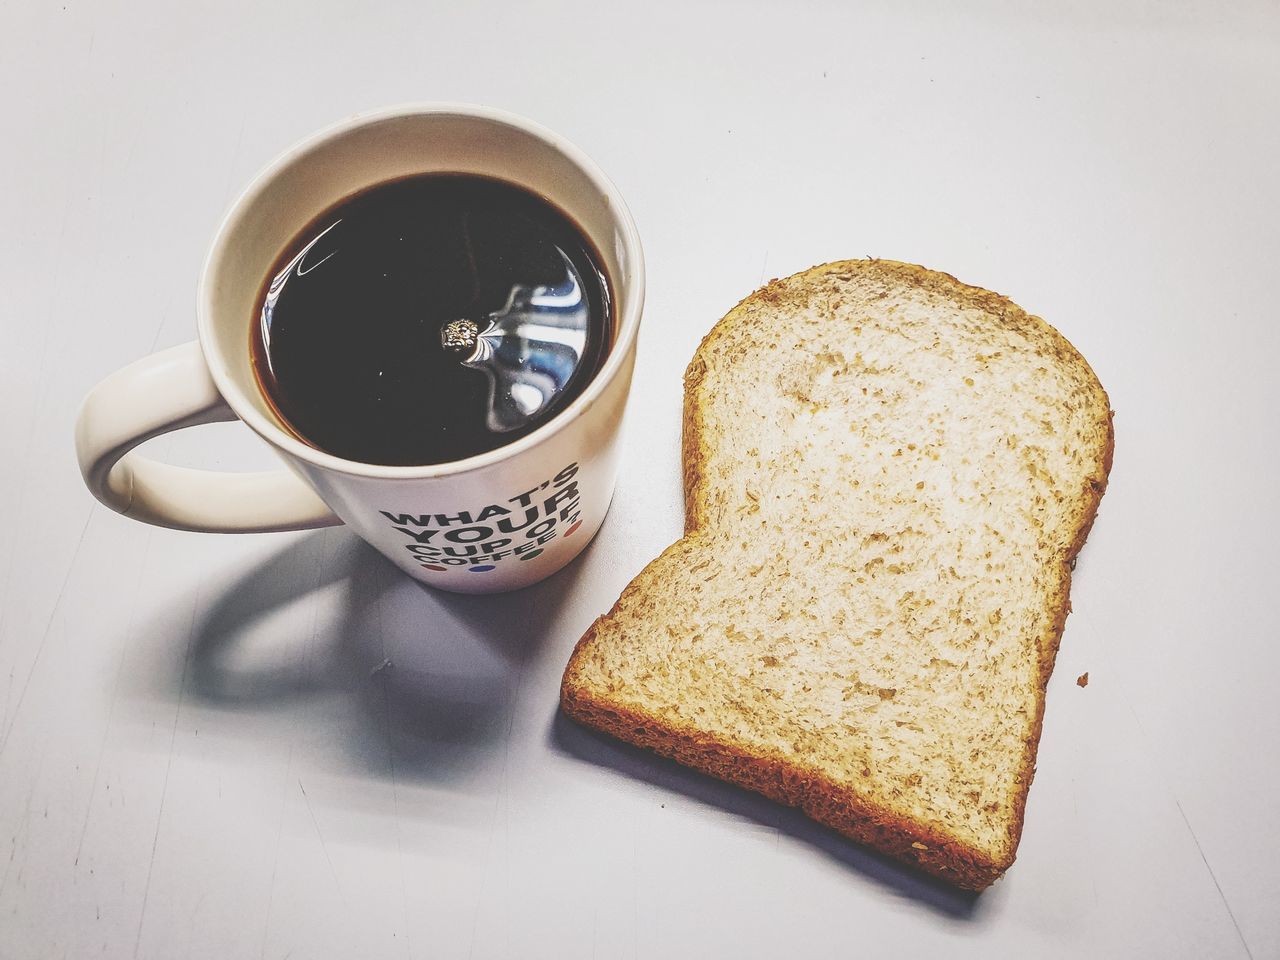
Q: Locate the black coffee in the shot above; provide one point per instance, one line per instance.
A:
(430, 319)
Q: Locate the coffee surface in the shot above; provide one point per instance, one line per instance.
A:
(431, 319)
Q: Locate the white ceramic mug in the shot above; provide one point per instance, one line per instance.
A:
(496, 521)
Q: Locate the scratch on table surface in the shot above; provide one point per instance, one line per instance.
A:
(484, 876)
(1119, 683)
(379, 604)
(164, 318)
(635, 892)
(22, 828)
(1190, 829)
(501, 807)
(502, 797)
(275, 860)
(8, 695)
(53, 282)
(168, 768)
(115, 693)
(133, 146)
(307, 656)
(514, 704)
(191, 921)
(48, 628)
(102, 160)
(304, 666)
(323, 846)
(506, 778)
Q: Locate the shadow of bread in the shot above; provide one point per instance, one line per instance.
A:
(591, 746)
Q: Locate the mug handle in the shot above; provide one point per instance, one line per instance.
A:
(168, 391)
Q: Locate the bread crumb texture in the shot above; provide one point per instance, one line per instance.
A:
(887, 474)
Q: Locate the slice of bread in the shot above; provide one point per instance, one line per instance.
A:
(887, 476)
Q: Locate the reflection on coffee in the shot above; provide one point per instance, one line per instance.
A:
(430, 319)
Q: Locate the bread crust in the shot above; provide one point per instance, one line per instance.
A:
(785, 780)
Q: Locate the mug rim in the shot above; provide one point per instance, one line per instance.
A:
(623, 344)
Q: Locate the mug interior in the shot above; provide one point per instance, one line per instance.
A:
(368, 150)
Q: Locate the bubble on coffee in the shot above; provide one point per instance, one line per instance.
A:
(431, 319)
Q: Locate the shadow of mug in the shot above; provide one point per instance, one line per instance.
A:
(426, 677)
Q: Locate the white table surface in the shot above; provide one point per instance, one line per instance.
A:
(277, 746)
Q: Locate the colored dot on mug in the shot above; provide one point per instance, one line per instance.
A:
(571, 530)
(433, 566)
(531, 554)
(484, 567)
